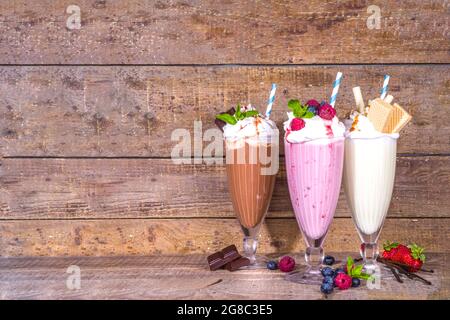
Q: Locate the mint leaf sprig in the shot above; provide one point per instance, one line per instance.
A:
(238, 115)
(228, 118)
(355, 271)
(299, 110)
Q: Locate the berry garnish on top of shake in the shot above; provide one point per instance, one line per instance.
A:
(311, 121)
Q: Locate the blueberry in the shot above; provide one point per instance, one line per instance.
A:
(322, 103)
(327, 272)
(272, 265)
(328, 260)
(326, 288)
(355, 282)
(313, 110)
(328, 279)
(339, 270)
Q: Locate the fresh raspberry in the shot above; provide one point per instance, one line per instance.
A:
(343, 281)
(327, 112)
(286, 264)
(297, 124)
(313, 103)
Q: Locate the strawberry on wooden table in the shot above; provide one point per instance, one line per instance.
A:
(412, 255)
(415, 259)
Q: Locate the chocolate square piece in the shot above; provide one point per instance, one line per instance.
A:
(215, 261)
(237, 264)
(230, 253)
(220, 258)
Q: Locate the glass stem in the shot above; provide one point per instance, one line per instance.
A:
(314, 258)
(369, 253)
(250, 246)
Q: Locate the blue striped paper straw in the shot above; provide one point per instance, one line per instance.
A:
(336, 84)
(271, 100)
(385, 88)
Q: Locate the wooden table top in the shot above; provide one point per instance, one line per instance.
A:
(186, 277)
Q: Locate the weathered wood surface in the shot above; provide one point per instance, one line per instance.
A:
(133, 111)
(198, 32)
(187, 277)
(189, 236)
(132, 188)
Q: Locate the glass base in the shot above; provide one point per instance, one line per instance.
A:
(305, 276)
(260, 262)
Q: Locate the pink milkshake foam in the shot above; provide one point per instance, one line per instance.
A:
(314, 171)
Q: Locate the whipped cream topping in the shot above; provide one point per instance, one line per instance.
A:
(315, 128)
(257, 127)
(359, 126)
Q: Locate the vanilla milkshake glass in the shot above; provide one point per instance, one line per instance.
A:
(314, 160)
(369, 171)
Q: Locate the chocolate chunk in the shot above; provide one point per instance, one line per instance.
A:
(215, 261)
(237, 264)
(230, 253)
(220, 258)
(221, 123)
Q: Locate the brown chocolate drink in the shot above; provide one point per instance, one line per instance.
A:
(250, 179)
(252, 147)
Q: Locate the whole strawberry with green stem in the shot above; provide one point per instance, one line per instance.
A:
(415, 259)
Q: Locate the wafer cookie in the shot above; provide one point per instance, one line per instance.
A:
(379, 113)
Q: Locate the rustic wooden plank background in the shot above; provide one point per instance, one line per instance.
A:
(86, 117)
(145, 188)
(216, 32)
(104, 110)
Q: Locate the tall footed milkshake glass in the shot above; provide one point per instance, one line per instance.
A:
(314, 154)
(252, 155)
(369, 171)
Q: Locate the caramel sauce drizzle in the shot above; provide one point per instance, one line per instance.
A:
(354, 124)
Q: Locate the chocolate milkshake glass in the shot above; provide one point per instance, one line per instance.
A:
(314, 154)
(252, 149)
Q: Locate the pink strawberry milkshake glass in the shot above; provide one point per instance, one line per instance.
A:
(314, 154)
